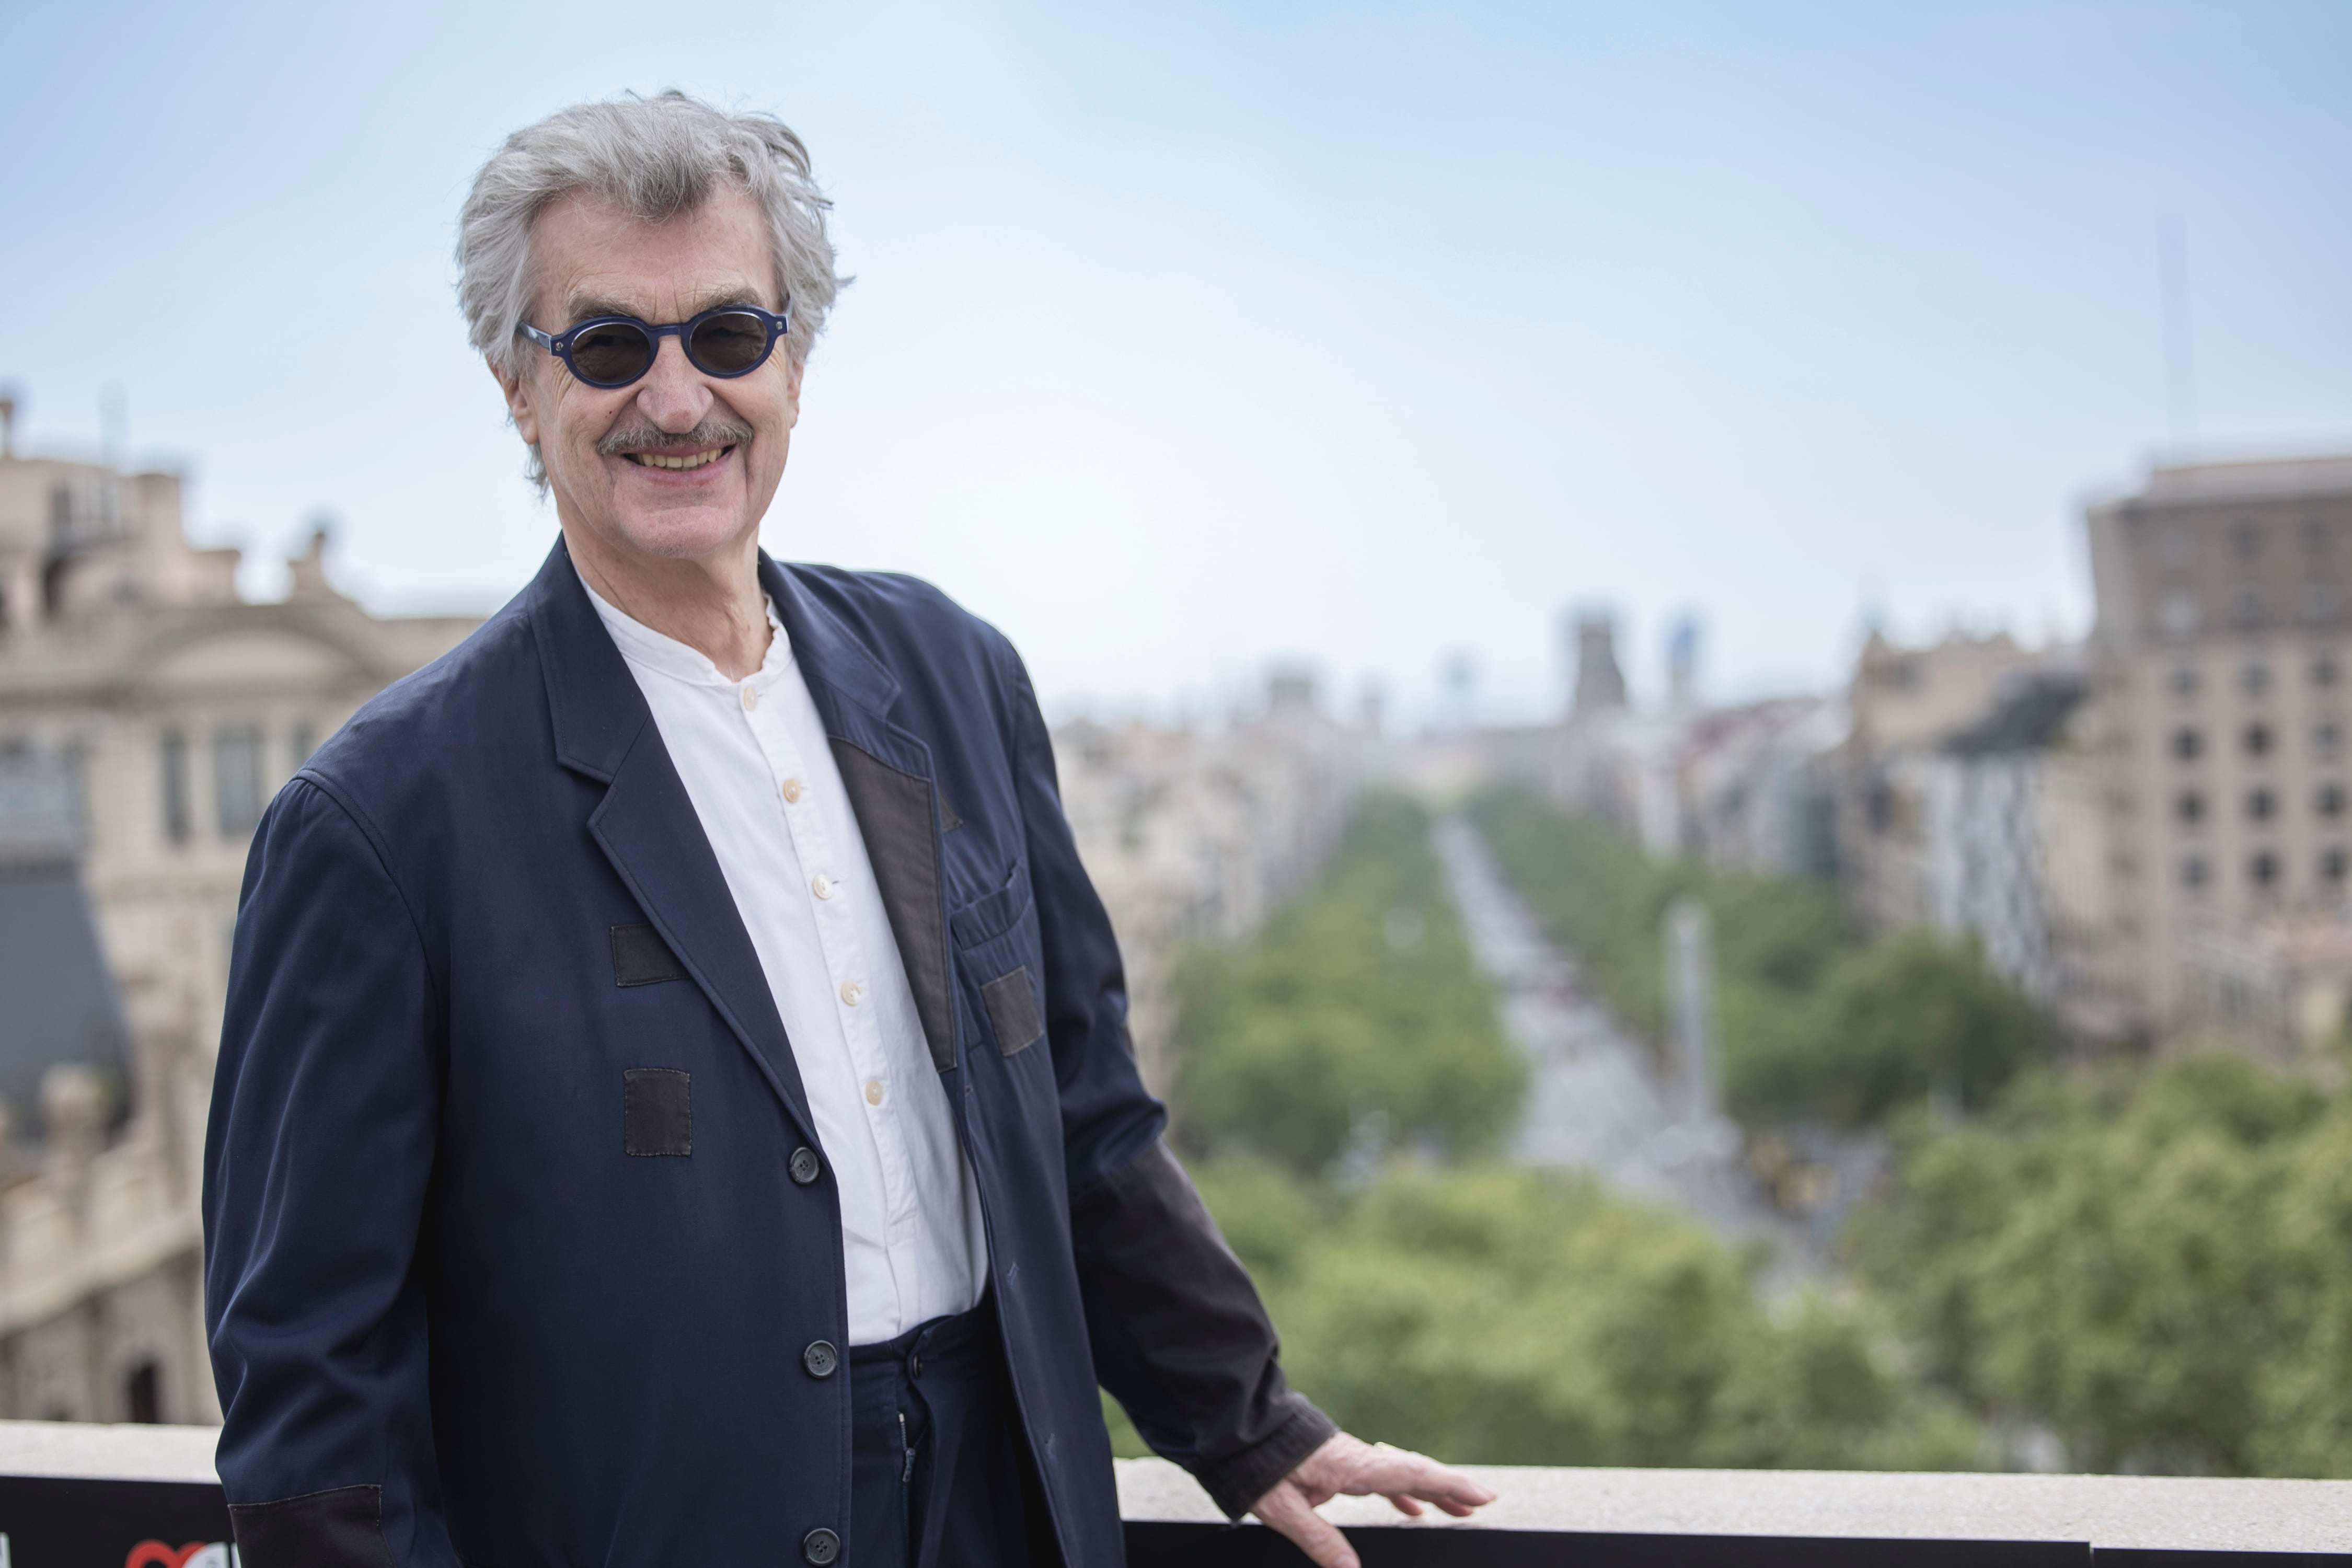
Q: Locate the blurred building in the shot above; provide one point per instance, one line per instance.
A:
(2219, 666)
(1746, 787)
(1609, 758)
(1758, 787)
(1904, 704)
(1196, 835)
(2016, 847)
(147, 714)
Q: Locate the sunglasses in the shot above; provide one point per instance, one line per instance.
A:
(613, 350)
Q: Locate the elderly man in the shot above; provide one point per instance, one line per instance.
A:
(675, 1103)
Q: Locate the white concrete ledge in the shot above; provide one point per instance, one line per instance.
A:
(74, 1449)
(2114, 1513)
(2137, 1512)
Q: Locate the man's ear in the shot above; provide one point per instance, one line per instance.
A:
(516, 389)
(792, 368)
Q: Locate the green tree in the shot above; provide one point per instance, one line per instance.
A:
(2151, 1262)
(1358, 1008)
(1889, 1024)
(1510, 1316)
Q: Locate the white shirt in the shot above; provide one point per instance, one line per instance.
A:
(755, 759)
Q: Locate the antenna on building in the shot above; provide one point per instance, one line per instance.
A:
(2179, 348)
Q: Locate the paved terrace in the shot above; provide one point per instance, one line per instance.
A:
(91, 1497)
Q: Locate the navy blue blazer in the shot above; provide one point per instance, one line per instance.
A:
(474, 1297)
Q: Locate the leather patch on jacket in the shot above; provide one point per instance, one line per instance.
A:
(338, 1528)
(640, 957)
(1013, 1011)
(895, 818)
(1199, 1362)
(656, 1111)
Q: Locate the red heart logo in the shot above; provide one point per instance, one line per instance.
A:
(155, 1554)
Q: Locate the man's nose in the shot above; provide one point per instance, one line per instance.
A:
(673, 394)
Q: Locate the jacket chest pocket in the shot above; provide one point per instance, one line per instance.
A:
(998, 964)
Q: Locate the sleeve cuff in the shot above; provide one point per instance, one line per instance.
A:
(1236, 1483)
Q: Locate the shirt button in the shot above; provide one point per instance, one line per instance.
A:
(852, 992)
(792, 792)
(873, 1091)
(750, 699)
(821, 884)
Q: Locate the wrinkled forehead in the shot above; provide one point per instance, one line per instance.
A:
(591, 257)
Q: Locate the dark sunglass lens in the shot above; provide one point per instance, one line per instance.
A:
(728, 344)
(612, 354)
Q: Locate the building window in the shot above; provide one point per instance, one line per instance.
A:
(2247, 538)
(2332, 864)
(236, 779)
(2314, 535)
(2178, 613)
(2254, 676)
(2330, 800)
(2263, 867)
(2261, 805)
(2184, 680)
(2323, 669)
(2318, 601)
(2246, 605)
(2327, 739)
(301, 742)
(176, 817)
(2190, 807)
(2193, 873)
(2186, 744)
(2258, 740)
(142, 1392)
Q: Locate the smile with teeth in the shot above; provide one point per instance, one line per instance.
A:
(678, 460)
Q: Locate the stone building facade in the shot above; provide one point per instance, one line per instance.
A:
(170, 709)
(2220, 666)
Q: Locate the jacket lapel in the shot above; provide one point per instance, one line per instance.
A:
(887, 771)
(646, 823)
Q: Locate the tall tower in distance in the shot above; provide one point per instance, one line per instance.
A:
(1599, 683)
(1682, 665)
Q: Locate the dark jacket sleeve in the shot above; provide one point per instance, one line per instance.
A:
(320, 1151)
(1180, 1337)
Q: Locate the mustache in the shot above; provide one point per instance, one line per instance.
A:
(652, 438)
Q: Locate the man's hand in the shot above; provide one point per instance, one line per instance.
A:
(1350, 1466)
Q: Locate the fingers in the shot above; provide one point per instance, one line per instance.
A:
(1283, 1511)
(1394, 1471)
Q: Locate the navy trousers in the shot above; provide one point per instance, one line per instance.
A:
(940, 1475)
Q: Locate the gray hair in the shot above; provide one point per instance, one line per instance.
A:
(654, 158)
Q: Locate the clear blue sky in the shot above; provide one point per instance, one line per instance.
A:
(1186, 337)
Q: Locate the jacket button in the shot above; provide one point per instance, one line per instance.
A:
(804, 1168)
(819, 1546)
(820, 1359)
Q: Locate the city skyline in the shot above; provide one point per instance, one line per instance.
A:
(1185, 344)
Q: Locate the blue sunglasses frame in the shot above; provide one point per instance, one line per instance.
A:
(559, 343)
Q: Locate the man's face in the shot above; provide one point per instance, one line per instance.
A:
(612, 454)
